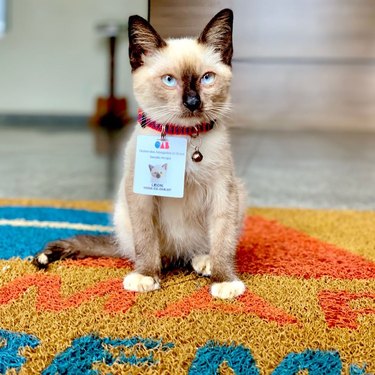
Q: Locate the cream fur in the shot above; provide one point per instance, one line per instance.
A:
(207, 220)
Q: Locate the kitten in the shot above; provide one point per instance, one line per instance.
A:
(158, 173)
(184, 82)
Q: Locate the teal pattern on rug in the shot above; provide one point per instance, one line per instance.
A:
(26, 230)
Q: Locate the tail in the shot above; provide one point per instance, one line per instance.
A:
(77, 247)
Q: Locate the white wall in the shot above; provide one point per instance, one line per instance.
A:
(52, 60)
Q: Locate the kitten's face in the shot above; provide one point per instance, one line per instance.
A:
(158, 171)
(183, 81)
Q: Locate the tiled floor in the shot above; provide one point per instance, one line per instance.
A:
(307, 169)
(295, 169)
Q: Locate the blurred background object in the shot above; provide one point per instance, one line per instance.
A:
(52, 61)
(3, 17)
(111, 115)
(303, 91)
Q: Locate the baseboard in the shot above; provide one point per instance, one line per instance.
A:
(75, 121)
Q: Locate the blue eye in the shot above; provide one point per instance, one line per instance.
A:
(169, 80)
(208, 78)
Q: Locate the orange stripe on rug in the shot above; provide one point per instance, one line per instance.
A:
(248, 303)
(337, 309)
(49, 296)
(268, 247)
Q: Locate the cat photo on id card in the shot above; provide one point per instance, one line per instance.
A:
(158, 174)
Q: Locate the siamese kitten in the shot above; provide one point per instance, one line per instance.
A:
(183, 82)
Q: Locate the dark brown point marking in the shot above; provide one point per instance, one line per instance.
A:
(143, 40)
(218, 34)
(191, 96)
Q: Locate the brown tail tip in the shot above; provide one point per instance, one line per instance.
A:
(54, 251)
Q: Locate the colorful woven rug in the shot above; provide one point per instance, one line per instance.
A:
(309, 307)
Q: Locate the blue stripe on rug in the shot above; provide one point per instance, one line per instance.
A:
(55, 214)
(25, 241)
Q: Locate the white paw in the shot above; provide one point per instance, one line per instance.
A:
(137, 282)
(228, 289)
(202, 265)
(42, 259)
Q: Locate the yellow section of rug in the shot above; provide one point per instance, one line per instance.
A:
(85, 205)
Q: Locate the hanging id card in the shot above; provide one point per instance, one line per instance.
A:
(160, 166)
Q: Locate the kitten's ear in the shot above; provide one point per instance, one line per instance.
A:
(143, 40)
(150, 166)
(218, 34)
(165, 166)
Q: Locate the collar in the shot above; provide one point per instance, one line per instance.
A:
(173, 129)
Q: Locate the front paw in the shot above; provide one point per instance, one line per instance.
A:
(228, 289)
(137, 282)
(202, 265)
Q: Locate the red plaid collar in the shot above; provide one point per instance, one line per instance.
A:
(173, 129)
